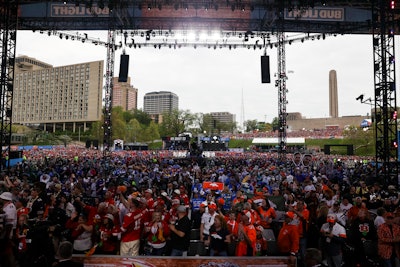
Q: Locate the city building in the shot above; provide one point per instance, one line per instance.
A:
(155, 103)
(57, 98)
(223, 117)
(124, 95)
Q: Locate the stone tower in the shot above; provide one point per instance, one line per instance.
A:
(333, 95)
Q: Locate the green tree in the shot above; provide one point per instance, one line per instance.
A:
(151, 132)
(251, 125)
(173, 123)
(142, 117)
(133, 131)
(275, 123)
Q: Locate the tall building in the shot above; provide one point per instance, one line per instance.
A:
(156, 103)
(333, 95)
(124, 95)
(57, 98)
(223, 117)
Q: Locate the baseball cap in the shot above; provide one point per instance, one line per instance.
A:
(212, 205)
(181, 208)
(177, 191)
(149, 191)
(109, 216)
(6, 196)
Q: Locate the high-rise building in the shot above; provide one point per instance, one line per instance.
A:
(156, 103)
(124, 95)
(333, 95)
(57, 98)
(223, 117)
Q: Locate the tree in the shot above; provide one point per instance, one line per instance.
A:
(174, 122)
(151, 132)
(251, 125)
(275, 124)
(142, 117)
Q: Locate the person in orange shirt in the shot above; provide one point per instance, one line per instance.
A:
(303, 217)
(247, 236)
(267, 214)
(261, 242)
(288, 238)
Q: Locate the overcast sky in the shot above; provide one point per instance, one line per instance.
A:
(208, 80)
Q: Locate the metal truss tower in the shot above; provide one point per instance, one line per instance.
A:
(281, 84)
(8, 35)
(385, 91)
(107, 126)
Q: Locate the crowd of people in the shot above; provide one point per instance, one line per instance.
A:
(321, 209)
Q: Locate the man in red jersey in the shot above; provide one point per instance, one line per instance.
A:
(131, 229)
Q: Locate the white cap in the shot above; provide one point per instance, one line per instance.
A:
(177, 191)
(109, 216)
(6, 196)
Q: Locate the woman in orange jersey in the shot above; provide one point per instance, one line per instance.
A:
(267, 214)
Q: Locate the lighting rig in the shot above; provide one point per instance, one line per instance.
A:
(181, 39)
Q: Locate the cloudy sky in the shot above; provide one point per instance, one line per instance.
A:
(208, 80)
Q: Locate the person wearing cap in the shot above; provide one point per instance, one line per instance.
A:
(131, 229)
(288, 240)
(8, 222)
(207, 219)
(246, 236)
(11, 212)
(64, 256)
(261, 242)
(333, 236)
(109, 235)
(389, 241)
(180, 233)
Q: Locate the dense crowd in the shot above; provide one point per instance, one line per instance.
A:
(134, 203)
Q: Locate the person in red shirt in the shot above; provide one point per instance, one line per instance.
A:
(148, 195)
(233, 226)
(131, 228)
(156, 234)
(109, 235)
(246, 236)
(288, 238)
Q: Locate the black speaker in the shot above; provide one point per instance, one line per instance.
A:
(265, 76)
(96, 144)
(17, 154)
(88, 143)
(123, 68)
